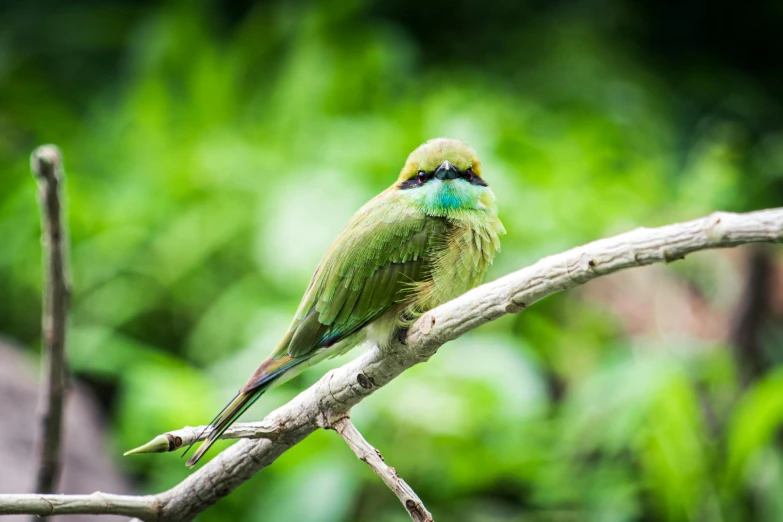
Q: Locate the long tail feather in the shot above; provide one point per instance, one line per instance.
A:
(225, 419)
(261, 380)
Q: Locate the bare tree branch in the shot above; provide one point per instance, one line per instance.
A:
(174, 440)
(365, 452)
(177, 439)
(142, 507)
(46, 164)
(327, 401)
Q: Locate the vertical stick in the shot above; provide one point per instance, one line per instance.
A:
(46, 165)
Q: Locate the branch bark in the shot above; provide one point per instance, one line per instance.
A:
(331, 398)
(365, 452)
(46, 164)
(142, 507)
(174, 440)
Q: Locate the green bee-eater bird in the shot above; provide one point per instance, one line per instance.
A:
(421, 242)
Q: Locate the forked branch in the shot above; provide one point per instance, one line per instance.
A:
(328, 401)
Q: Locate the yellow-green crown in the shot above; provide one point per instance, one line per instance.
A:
(428, 156)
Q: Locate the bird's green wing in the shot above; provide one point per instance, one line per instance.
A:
(371, 265)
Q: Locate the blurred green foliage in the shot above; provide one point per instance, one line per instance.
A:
(214, 152)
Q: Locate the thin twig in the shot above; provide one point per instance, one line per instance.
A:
(365, 452)
(174, 440)
(330, 399)
(46, 164)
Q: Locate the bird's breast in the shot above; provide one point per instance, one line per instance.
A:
(458, 261)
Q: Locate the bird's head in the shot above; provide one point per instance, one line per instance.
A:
(444, 175)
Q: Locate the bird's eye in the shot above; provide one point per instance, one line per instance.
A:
(469, 174)
(422, 176)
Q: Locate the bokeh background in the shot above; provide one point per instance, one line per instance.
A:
(214, 150)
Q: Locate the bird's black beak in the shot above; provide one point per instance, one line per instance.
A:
(446, 171)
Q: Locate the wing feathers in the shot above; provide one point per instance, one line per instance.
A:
(371, 266)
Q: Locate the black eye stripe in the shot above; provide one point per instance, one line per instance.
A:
(409, 183)
(414, 181)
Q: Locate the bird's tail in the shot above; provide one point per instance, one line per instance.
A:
(226, 417)
(263, 379)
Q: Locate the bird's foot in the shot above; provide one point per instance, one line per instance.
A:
(402, 334)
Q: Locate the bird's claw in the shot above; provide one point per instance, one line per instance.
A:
(402, 334)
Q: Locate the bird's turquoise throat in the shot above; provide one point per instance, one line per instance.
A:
(439, 198)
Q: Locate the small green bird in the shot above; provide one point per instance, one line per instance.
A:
(421, 242)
